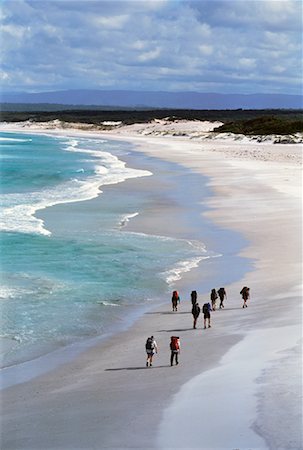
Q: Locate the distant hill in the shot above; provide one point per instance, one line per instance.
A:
(141, 100)
(51, 107)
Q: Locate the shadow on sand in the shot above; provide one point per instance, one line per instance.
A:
(136, 368)
(227, 309)
(176, 329)
(168, 312)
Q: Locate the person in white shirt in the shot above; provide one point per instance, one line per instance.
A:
(151, 348)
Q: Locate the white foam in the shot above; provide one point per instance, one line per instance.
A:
(125, 219)
(7, 293)
(104, 303)
(8, 139)
(19, 209)
(20, 218)
(175, 274)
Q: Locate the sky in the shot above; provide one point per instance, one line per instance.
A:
(224, 46)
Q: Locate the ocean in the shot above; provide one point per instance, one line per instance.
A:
(81, 273)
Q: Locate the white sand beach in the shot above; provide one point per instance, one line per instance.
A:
(238, 384)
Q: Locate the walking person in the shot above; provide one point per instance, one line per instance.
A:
(150, 347)
(206, 311)
(175, 300)
(193, 297)
(174, 349)
(245, 295)
(195, 312)
(213, 298)
(222, 295)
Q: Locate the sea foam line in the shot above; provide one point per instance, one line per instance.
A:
(125, 219)
(106, 303)
(18, 216)
(8, 139)
(175, 274)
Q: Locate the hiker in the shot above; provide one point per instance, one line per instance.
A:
(206, 311)
(222, 295)
(175, 300)
(195, 312)
(174, 349)
(245, 295)
(151, 347)
(193, 297)
(213, 298)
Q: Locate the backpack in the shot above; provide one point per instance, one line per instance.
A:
(175, 343)
(245, 293)
(213, 295)
(221, 292)
(195, 310)
(149, 344)
(205, 308)
(193, 296)
(175, 297)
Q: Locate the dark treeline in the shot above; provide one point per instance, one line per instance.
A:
(267, 121)
(264, 126)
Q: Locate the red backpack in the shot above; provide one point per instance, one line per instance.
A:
(175, 343)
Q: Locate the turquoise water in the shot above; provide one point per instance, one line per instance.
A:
(80, 273)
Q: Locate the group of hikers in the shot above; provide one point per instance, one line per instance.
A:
(207, 307)
(151, 344)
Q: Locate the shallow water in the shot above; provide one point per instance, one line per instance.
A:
(78, 272)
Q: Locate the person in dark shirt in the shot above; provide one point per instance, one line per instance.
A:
(222, 296)
(175, 300)
(195, 312)
(213, 298)
(193, 297)
(206, 312)
(245, 295)
(174, 349)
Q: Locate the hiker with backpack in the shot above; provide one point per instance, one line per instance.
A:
(150, 347)
(195, 312)
(193, 297)
(206, 311)
(213, 298)
(245, 295)
(222, 294)
(174, 349)
(175, 300)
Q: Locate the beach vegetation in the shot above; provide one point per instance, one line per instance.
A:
(239, 121)
(263, 126)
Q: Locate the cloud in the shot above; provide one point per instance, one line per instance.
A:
(115, 22)
(149, 56)
(225, 45)
(4, 75)
(254, 14)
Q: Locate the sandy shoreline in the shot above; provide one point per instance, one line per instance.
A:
(106, 398)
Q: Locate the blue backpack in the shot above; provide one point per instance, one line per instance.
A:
(206, 308)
